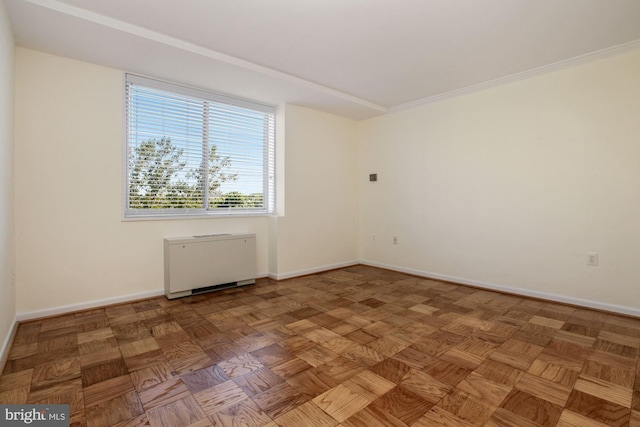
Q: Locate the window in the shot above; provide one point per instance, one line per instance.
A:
(194, 153)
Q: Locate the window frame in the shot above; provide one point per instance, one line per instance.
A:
(268, 148)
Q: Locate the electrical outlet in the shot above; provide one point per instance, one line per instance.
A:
(395, 240)
(593, 259)
(373, 237)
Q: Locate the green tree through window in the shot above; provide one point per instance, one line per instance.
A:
(191, 152)
(155, 168)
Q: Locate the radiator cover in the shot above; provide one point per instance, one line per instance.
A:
(197, 264)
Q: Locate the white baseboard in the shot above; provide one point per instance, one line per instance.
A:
(629, 311)
(6, 344)
(314, 270)
(36, 314)
(54, 311)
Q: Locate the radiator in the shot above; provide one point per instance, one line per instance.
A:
(198, 264)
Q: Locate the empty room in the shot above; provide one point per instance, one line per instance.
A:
(320, 213)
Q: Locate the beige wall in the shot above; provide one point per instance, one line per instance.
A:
(319, 229)
(72, 247)
(7, 290)
(509, 187)
(514, 185)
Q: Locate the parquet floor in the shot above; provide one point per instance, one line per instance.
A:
(353, 347)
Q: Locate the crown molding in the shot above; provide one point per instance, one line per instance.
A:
(193, 48)
(177, 43)
(556, 66)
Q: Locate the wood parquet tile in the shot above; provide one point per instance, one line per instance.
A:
(107, 390)
(352, 347)
(402, 404)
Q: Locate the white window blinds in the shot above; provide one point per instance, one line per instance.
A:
(191, 152)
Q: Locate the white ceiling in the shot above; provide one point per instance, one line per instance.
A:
(359, 58)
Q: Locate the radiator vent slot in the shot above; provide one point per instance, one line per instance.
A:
(204, 263)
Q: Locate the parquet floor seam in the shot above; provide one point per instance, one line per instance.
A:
(358, 346)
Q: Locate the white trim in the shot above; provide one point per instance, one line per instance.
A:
(36, 314)
(157, 37)
(208, 107)
(183, 45)
(629, 311)
(125, 151)
(556, 66)
(194, 92)
(308, 271)
(4, 350)
(55, 311)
